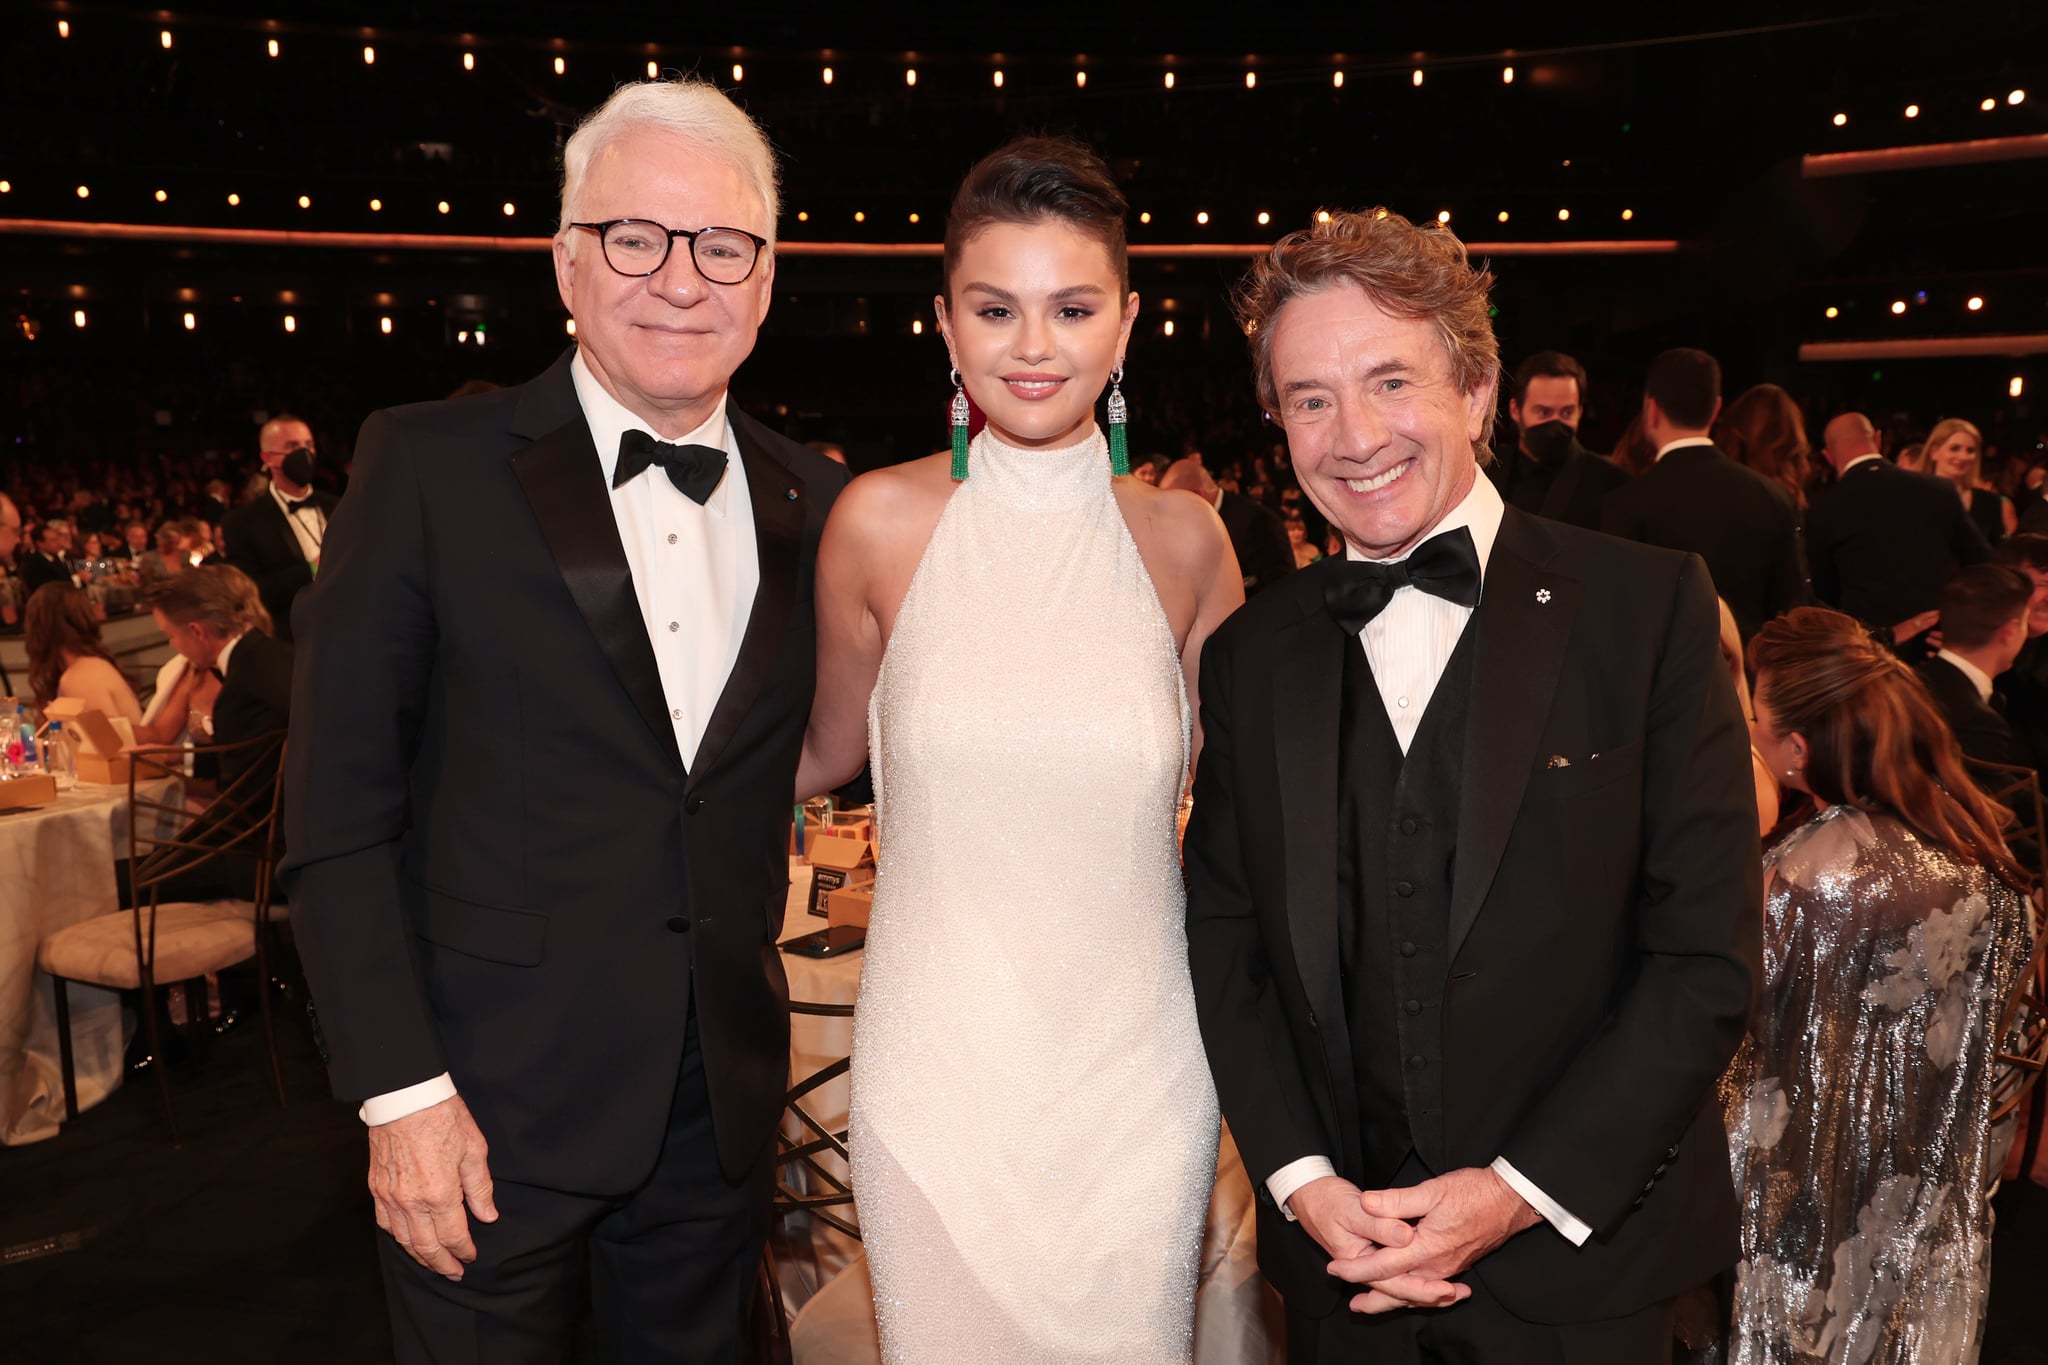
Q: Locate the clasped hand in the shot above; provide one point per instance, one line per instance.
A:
(1404, 1245)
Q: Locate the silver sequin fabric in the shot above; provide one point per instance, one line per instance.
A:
(1858, 1107)
(1033, 1129)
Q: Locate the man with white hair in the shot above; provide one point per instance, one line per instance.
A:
(552, 685)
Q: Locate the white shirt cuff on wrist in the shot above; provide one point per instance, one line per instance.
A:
(1553, 1213)
(379, 1110)
(1284, 1182)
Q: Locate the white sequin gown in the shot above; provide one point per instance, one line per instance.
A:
(1033, 1127)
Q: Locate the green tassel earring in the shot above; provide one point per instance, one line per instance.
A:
(959, 420)
(1119, 414)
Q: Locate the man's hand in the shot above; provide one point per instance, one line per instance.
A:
(1330, 1211)
(1459, 1217)
(423, 1168)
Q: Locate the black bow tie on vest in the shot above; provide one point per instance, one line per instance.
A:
(695, 470)
(1445, 565)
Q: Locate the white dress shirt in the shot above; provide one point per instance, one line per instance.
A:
(695, 570)
(309, 523)
(1861, 459)
(1680, 444)
(1977, 676)
(1408, 644)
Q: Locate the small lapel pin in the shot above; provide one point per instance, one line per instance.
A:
(1542, 594)
(790, 494)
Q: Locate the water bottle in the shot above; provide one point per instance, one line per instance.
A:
(22, 749)
(60, 760)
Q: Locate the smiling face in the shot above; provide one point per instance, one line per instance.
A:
(1956, 457)
(1036, 321)
(665, 344)
(1381, 436)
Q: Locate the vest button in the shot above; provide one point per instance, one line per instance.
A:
(1417, 1062)
(679, 924)
(1404, 889)
(1413, 1007)
(1408, 825)
(693, 805)
(1407, 950)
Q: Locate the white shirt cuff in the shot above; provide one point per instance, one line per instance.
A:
(379, 1110)
(1284, 1182)
(1553, 1213)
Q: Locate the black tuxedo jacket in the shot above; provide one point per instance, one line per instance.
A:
(1259, 538)
(1698, 500)
(1983, 734)
(1605, 917)
(38, 569)
(255, 696)
(499, 867)
(1883, 541)
(257, 539)
(1573, 494)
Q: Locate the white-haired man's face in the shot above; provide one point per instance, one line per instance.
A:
(665, 344)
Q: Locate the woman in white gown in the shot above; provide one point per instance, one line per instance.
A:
(1033, 1128)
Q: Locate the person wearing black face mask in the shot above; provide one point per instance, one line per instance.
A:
(1548, 472)
(276, 538)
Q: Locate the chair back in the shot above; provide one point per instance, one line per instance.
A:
(2019, 791)
(166, 841)
(802, 1182)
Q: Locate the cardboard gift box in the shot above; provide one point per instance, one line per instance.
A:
(839, 865)
(26, 793)
(96, 741)
(851, 906)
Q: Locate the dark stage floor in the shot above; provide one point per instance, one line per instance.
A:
(252, 1242)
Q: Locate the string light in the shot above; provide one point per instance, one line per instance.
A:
(1322, 215)
(441, 207)
(1841, 120)
(913, 218)
(1898, 307)
(507, 207)
(2016, 97)
(828, 75)
(291, 324)
(910, 76)
(2017, 387)
(803, 217)
(1627, 215)
(6, 187)
(369, 56)
(999, 78)
(1502, 216)
(1416, 79)
(63, 28)
(1443, 216)
(305, 202)
(1564, 215)
(1988, 105)
(1975, 303)
(1080, 80)
(917, 327)
(85, 192)
(462, 338)
(1203, 218)
(1251, 80)
(1337, 80)
(1912, 111)
(165, 38)
(376, 206)
(271, 47)
(469, 61)
(561, 66)
(1168, 328)
(859, 217)
(78, 318)
(191, 323)
(653, 71)
(1507, 75)
(739, 73)
(384, 325)
(1833, 311)
(162, 195)
(1143, 217)
(1264, 217)
(1169, 80)
(234, 201)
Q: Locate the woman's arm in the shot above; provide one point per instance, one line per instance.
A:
(171, 717)
(849, 639)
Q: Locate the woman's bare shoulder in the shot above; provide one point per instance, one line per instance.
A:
(883, 502)
(1181, 523)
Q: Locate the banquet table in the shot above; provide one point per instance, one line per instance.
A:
(824, 1276)
(56, 869)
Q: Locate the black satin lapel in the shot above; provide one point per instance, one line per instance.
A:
(1524, 620)
(779, 501)
(1308, 706)
(564, 482)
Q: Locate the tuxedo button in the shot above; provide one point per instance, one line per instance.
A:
(1407, 950)
(671, 537)
(1417, 1062)
(1413, 1007)
(1311, 1020)
(1651, 1185)
(1671, 1155)
(1404, 889)
(1408, 825)
(676, 714)
(674, 626)
(679, 924)
(693, 805)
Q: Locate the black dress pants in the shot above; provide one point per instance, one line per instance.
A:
(671, 1264)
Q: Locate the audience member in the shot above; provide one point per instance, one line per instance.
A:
(1256, 533)
(47, 562)
(1883, 541)
(1858, 1107)
(1548, 472)
(66, 658)
(134, 546)
(1695, 498)
(1305, 551)
(1955, 451)
(1764, 430)
(1913, 457)
(209, 619)
(1983, 626)
(276, 538)
(2025, 684)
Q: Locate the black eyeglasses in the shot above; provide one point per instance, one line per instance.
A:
(640, 247)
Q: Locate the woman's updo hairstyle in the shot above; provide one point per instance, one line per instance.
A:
(1038, 178)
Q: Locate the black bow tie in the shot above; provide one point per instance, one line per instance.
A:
(293, 508)
(1445, 565)
(695, 470)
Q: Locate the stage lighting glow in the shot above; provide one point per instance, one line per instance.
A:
(1417, 77)
(1203, 218)
(1264, 218)
(1898, 307)
(384, 326)
(369, 56)
(271, 47)
(1841, 119)
(1833, 311)
(1975, 303)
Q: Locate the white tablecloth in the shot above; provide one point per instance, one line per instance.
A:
(824, 1275)
(57, 868)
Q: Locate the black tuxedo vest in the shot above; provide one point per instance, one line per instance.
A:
(1399, 830)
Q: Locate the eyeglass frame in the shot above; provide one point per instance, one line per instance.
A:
(760, 245)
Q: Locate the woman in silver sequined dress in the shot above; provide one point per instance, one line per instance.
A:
(1015, 633)
(1859, 1106)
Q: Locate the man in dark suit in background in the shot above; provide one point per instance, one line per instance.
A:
(1474, 900)
(1694, 498)
(46, 562)
(551, 695)
(1882, 541)
(1257, 535)
(1983, 627)
(276, 538)
(1549, 473)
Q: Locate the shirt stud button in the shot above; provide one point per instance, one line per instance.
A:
(671, 537)
(676, 714)
(674, 626)
(1401, 701)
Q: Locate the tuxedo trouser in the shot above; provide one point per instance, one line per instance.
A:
(671, 1264)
